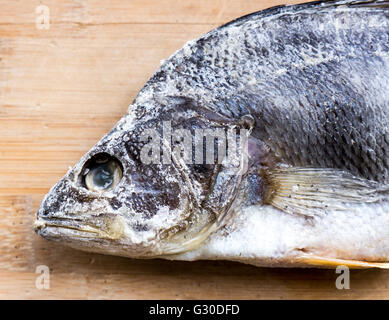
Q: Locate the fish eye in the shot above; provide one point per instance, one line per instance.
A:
(102, 173)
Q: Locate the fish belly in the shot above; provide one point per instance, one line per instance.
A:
(265, 236)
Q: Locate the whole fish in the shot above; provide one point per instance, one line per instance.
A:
(266, 141)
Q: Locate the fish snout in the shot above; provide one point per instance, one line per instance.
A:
(68, 211)
(92, 226)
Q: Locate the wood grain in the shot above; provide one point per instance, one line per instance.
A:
(61, 90)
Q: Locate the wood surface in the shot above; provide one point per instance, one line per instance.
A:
(61, 90)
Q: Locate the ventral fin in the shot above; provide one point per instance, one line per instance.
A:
(318, 261)
(315, 191)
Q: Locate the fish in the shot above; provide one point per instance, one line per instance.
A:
(265, 142)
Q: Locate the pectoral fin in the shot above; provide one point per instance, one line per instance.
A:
(315, 191)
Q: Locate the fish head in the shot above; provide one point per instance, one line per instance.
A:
(137, 192)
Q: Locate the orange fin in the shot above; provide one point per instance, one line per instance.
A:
(333, 262)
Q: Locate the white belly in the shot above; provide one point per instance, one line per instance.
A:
(265, 236)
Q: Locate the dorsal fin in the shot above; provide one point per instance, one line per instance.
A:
(371, 3)
(352, 3)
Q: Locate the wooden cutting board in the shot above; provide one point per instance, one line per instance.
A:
(61, 90)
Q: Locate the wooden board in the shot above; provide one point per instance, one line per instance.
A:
(63, 88)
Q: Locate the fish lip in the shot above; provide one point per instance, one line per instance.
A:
(52, 230)
(83, 227)
(59, 223)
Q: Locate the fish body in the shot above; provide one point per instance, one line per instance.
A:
(301, 94)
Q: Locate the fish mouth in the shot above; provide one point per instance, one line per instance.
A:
(108, 228)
